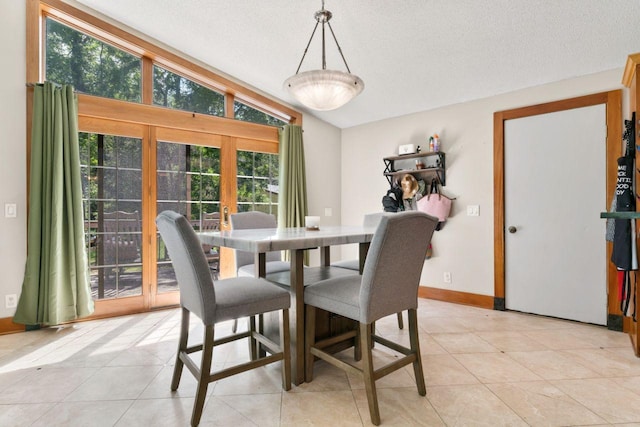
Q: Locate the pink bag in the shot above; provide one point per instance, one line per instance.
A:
(435, 204)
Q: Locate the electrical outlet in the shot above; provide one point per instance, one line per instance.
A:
(447, 277)
(328, 212)
(10, 301)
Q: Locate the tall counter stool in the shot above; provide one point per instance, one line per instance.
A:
(370, 220)
(388, 285)
(216, 302)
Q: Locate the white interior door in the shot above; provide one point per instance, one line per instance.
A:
(555, 262)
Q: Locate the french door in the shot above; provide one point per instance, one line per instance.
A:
(131, 172)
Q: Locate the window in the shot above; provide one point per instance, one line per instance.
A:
(257, 182)
(249, 114)
(174, 91)
(91, 66)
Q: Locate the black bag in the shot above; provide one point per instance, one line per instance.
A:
(392, 201)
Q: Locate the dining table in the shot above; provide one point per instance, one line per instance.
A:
(296, 241)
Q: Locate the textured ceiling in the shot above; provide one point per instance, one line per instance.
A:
(413, 55)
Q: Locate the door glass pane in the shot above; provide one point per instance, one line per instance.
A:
(257, 182)
(171, 90)
(111, 168)
(90, 65)
(188, 182)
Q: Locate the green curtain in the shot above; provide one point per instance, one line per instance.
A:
(292, 194)
(56, 280)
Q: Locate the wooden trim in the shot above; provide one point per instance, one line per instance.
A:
(148, 197)
(244, 144)
(613, 102)
(8, 327)
(93, 106)
(179, 136)
(498, 204)
(110, 127)
(116, 35)
(146, 81)
(457, 297)
(630, 69)
(228, 199)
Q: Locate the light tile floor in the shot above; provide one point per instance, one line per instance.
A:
(482, 367)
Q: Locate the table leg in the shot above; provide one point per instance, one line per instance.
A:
(363, 248)
(325, 256)
(297, 316)
(260, 265)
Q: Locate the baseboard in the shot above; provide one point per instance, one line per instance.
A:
(476, 300)
(483, 301)
(8, 327)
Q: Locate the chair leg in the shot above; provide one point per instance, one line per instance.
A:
(415, 348)
(367, 372)
(285, 346)
(310, 340)
(400, 322)
(253, 343)
(182, 346)
(205, 373)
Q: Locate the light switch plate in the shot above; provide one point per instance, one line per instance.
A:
(10, 210)
(473, 210)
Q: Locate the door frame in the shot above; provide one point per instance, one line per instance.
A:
(613, 103)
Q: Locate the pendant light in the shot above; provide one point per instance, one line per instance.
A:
(324, 90)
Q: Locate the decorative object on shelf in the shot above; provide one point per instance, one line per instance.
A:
(406, 149)
(419, 164)
(324, 89)
(434, 143)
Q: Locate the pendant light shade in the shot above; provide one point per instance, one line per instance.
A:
(324, 90)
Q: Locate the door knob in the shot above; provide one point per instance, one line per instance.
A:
(512, 229)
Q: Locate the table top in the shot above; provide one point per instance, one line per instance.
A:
(278, 239)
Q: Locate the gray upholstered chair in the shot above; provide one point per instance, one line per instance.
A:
(245, 260)
(370, 220)
(216, 302)
(388, 284)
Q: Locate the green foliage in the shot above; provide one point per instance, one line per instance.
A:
(248, 114)
(90, 65)
(174, 91)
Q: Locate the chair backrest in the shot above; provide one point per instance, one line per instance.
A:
(190, 265)
(211, 221)
(122, 237)
(373, 219)
(254, 219)
(392, 270)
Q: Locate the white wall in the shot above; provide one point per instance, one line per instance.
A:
(13, 231)
(464, 246)
(322, 150)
